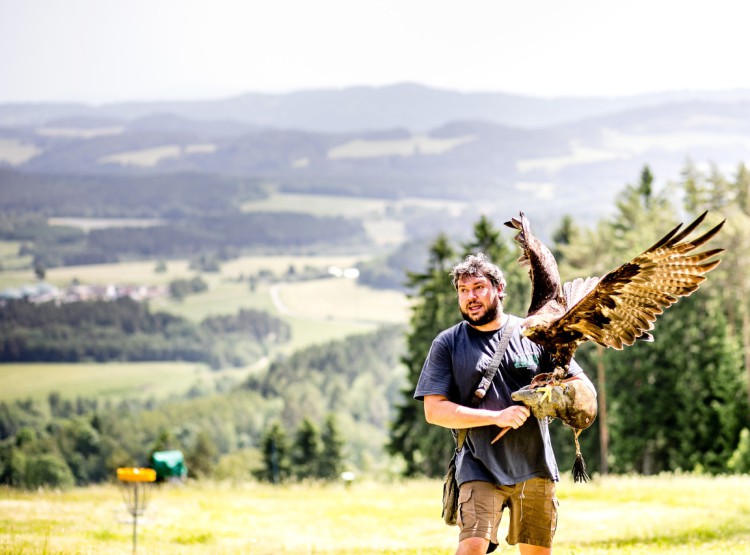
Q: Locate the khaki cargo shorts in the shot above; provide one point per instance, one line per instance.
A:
(533, 511)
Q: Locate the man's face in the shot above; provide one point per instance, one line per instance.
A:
(478, 300)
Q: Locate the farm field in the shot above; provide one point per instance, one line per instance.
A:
(331, 205)
(676, 515)
(380, 218)
(108, 381)
(11, 261)
(143, 272)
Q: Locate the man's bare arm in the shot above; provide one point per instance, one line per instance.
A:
(440, 411)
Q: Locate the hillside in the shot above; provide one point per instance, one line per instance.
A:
(354, 109)
(397, 142)
(495, 153)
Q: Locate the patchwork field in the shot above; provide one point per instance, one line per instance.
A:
(143, 272)
(317, 311)
(675, 515)
(380, 218)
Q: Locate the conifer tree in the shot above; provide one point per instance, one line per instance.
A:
(331, 459)
(741, 188)
(729, 281)
(678, 403)
(201, 458)
(306, 450)
(275, 454)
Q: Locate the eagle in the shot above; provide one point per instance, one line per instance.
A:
(614, 310)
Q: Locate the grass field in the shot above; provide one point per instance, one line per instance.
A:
(350, 207)
(381, 218)
(114, 380)
(10, 261)
(683, 515)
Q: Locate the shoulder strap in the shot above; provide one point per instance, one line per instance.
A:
(488, 375)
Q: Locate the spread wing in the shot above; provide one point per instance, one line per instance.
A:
(536, 258)
(624, 304)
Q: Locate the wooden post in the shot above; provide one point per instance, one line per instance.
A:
(602, 397)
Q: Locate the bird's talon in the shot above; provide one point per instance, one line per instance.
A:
(547, 393)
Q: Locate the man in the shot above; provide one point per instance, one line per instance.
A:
(518, 471)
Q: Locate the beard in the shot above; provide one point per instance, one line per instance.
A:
(490, 314)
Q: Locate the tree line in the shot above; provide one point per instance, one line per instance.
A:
(309, 454)
(679, 403)
(78, 447)
(125, 330)
(168, 196)
(52, 246)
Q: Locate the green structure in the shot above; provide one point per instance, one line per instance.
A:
(169, 465)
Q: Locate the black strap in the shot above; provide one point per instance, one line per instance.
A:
(488, 376)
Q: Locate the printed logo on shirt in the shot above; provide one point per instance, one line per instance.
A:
(525, 360)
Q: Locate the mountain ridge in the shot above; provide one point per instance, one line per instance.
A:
(354, 109)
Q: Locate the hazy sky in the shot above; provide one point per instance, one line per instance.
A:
(111, 50)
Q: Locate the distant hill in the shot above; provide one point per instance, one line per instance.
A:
(356, 109)
(547, 156)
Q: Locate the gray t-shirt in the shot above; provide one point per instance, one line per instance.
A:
(453, 368)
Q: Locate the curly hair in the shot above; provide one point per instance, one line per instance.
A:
(478, 265)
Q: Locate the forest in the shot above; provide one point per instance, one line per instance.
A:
(125, 330)
(190, 215)
(678, 404)
(309, 416)
(166, 196)
(219, 237)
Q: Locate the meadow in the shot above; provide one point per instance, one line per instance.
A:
(110, 381)
(658, 515)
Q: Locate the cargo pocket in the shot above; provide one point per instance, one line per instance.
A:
(556, 505)
(464, 507)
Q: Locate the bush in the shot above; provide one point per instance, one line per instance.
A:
(739, 462)
(48, 470)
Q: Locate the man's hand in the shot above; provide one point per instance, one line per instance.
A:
(513, 417)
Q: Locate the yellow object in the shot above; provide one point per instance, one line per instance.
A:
(136, 474)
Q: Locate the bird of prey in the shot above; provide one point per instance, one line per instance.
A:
(614, 311)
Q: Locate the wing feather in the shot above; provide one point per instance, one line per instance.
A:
(536, 258)
(575, 290)
(624, 304)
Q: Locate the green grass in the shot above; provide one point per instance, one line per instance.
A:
(614, 516)
(343, 300)
(9, 248)
(318, 311)
(318, 205)
(115, 380)
(11, 261)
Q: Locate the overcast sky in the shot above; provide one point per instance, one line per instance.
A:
(109, 50)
